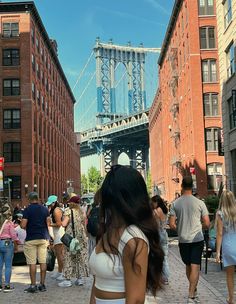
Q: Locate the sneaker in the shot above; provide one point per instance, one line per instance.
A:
(60, 277)
(79, 282)
(66, 283)
(191, 301)
(42, 287)
(196, 299)
(8, 288)
(31, 289)
(55, 275)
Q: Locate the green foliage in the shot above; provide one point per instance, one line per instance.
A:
(92, 181)
(149, 183)
(212, 202)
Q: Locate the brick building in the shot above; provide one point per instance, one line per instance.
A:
(185, 117)
(37, 135)
(226, 24)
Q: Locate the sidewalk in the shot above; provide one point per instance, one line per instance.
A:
(212, 286)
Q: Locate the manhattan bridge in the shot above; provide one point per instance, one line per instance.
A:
(113, 119)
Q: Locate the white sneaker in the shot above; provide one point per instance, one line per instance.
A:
(60, 277)
(79, 282)
(66, 283)
(55, 275)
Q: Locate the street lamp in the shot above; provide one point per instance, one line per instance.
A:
(26, 189)
(8, 182)
(35, 187)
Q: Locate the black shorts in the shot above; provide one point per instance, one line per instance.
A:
(191, 253)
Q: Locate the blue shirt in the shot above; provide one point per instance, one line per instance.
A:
(36, 228)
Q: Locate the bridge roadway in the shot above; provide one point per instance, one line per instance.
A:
(120, 133)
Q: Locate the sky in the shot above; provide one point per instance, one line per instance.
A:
(75, 24)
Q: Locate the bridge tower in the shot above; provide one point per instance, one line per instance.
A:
(107, 58)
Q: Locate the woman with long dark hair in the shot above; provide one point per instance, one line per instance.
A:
(160, 212)
(127, 260)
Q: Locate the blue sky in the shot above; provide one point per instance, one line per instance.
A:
(75, 24)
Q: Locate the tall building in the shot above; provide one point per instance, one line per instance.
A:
(37, 136)
(226, 23)
(185, 118)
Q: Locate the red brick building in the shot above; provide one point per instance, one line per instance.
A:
(185, 117)
(37, 135)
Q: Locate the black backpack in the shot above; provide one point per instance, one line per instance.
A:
(93, 222)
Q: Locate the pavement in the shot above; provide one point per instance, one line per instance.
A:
(212, 286)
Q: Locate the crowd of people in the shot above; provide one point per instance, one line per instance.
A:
(121, 239)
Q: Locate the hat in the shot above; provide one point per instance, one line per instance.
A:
(75, 199)
(51, 199)
(19, 214)
(33, 196)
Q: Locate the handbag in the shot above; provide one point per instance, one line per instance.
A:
(50, 260)
(67, 238)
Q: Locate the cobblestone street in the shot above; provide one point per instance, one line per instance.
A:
(212, 286)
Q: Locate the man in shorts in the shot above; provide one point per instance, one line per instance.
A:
(191, 215)
(36, 221)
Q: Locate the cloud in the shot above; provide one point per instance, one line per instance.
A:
(158, 6)
(128, 16)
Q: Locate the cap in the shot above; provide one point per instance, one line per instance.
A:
(75, 199)
(51, 199)
(33, 196)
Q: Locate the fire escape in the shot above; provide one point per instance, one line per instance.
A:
(174, 109)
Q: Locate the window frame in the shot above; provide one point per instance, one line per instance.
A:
(14, 152)
(10, 58)
(14, 123)
(11, 88)
(206, 9)
(230, 60)
(212, 144)
(215, 175)
(14, 189)
(208, 40)
(12, 32)
(232, 110)
(228, 14)
(210, 78)
(211, 105)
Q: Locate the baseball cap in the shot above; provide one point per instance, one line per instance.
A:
(33, 196)
(51, 199)
(75, 199)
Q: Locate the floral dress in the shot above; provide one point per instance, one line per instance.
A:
(76, 266)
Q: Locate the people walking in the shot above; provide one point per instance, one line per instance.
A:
(36, 220)
(160, 212)
(226, 237)
(128, 258)
(75, 265)
(8, 245)
(191, 215)
(58, 231)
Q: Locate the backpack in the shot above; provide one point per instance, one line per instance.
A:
(93, 222)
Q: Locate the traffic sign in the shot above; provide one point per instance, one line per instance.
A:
(1, 163)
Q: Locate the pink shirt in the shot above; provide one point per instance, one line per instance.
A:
(9, 232)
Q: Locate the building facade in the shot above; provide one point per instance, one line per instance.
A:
(185, 118)
(37, 136)
(226, 23)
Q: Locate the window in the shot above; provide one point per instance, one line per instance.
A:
(212, 139)
(206, 7)
(207, 37)
(211, 105)
(37, 71)
(33, 90)
(32, 35)
(11, 87)
(11, 57)
(209, 70)
(214, 176)
(33, 62)
(230, 61)
(11, 119)
(15, 186)
(10, 29)
(12, 152)
(227, 12)
(232, 110)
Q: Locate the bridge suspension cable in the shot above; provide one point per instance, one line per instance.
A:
(82, 72)
(90, 80)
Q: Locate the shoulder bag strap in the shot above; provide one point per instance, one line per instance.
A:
(72, 222)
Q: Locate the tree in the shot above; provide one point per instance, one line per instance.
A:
(149, 183)
(92, 181)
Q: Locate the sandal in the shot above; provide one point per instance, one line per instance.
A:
(228, 302)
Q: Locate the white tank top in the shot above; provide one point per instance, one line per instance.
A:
(108, 270)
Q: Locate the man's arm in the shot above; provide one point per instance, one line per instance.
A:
(206, 221)
(23, 223)
(172, 222)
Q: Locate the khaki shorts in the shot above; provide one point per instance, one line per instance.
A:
(36, 250)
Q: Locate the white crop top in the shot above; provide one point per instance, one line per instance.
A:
(109, 272)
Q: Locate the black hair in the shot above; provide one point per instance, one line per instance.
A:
(187, 182)
(55, 205)
(160, 203)
(125, 200)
